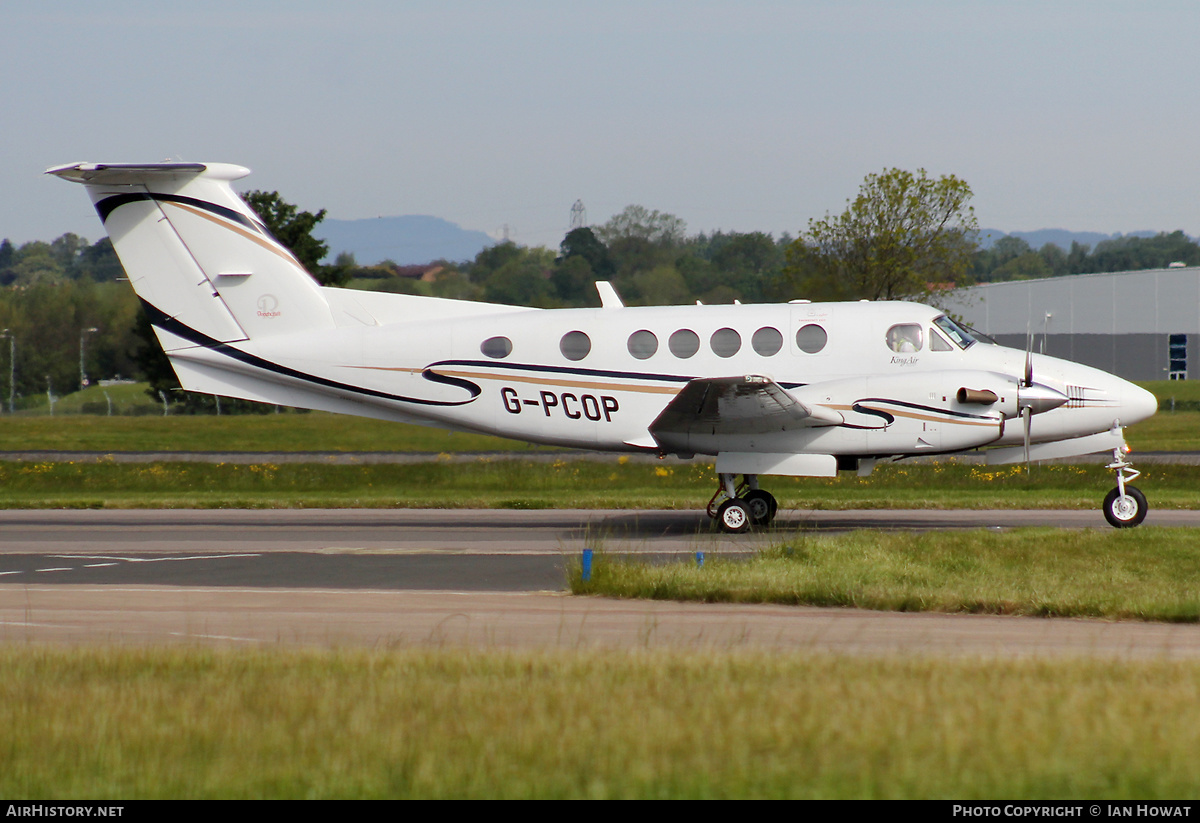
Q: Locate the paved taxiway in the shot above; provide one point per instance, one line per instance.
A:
(475, 531)
(478, 577)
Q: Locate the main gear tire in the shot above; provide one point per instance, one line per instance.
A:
(762, 506)
(734, 516)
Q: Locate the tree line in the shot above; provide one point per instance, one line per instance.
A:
(905, 236)
(1011, 258)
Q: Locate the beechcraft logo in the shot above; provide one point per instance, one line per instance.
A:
(268, 306)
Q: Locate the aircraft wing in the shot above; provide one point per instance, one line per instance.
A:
(748, 404)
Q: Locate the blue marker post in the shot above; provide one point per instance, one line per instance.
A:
(587, 565)
(700, 559)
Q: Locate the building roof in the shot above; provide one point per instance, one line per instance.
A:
(1150, 301)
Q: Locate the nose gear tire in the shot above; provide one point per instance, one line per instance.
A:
(1125, 512)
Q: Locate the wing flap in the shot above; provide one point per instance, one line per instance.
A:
(748, 404)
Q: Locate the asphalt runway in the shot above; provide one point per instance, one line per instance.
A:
(488, 578)
(475, 531)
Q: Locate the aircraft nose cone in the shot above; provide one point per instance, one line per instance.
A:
(1136, 404)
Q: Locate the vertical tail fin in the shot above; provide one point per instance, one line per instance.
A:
(197, 254)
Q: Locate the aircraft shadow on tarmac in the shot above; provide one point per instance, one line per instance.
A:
(645, 525)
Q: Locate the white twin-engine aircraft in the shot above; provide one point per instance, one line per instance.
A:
(799, 389)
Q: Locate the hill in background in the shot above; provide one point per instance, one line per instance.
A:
(412, 239)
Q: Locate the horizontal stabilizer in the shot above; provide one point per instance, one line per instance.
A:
(125, 174)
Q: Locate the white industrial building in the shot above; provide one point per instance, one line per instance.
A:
(1140, 325)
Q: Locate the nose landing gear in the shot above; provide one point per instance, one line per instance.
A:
(1125, 506)
(736, 508)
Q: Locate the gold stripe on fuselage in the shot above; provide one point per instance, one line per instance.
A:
(928, 418)
(513, 377)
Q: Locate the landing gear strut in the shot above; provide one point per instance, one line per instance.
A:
(1125, 506)
(737, 507)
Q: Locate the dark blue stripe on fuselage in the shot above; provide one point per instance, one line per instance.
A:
(579, 372)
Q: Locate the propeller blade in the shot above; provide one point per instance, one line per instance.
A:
(1028, 355)
(1027, 419)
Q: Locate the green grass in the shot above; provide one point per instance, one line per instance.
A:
(495, 483)
(289, 432)
(1142, 574)
(125, 399)
(1167, 431)
(127, 724)
(1182, 390)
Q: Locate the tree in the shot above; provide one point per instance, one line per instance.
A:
(491, 259)
(582, 242)
(523, 280)
(99, 262)
(906, 236)
(638, 221)
(293, 228)
(582, 260)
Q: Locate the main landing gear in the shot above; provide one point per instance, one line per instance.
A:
(1125, 506)
(737, 507)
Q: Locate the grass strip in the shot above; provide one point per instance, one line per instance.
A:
(210, 723)
(1141, 574)
(561, 483)
(488, 483)
(289, 432)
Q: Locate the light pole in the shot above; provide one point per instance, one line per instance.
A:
(83, 379)
(12, 366)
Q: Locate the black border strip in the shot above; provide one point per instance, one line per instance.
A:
(930, 409)
(108, 205)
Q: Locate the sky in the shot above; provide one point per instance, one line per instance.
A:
(738, 116)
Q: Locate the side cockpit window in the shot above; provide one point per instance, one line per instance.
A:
(962, 337)
(938, 343)
(904, 337)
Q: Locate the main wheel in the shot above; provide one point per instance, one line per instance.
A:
(762, 506)
(1125, 512)
(734, 516)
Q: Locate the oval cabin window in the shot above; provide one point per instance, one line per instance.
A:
(767, 341)
(643, 344)
(575, 345)
(496, 347)
(684, 343)
(811, 338)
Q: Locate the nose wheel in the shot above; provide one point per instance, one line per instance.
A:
(1125, 506)
(738, 507)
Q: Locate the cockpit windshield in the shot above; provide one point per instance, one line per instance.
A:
(962, 337)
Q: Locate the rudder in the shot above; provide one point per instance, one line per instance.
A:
(196, 253)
